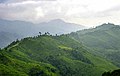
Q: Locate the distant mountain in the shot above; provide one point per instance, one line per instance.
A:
(59, 27)
(29, 29)
(6, 38)
(104, 40)
(47, 55)
(24, 29)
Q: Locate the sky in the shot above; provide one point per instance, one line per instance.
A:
(85, 12)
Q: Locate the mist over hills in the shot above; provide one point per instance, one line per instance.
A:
(29, 29)
(88, 52)
(6, 38)
(59, 38)
(20, 29)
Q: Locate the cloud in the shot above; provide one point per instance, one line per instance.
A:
(78, 11)
(2, 1)
(28, 10)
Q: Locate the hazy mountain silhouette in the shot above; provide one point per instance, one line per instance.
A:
(25, 29)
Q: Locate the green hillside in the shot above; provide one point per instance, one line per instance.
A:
(51, 56)
(104, 40)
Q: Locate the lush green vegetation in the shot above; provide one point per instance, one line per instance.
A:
(90, 52)
(47, 55)
(104, 41)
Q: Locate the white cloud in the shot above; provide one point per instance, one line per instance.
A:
(86, 12)
(39, 12)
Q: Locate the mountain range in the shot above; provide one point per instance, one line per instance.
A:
(20, 29)
(88, 52)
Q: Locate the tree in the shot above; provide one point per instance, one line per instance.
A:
(56, 35)
(40, 33)
(113, 73)
(48, 33)
(17, 40)
(116, 73)
(106, 74)
(45, 33)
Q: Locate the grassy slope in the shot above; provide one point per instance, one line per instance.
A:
(51, 56)
(104, 40)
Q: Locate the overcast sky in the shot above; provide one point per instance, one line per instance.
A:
(84, 12)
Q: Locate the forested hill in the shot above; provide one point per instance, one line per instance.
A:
(47, 55)
(104, 40)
